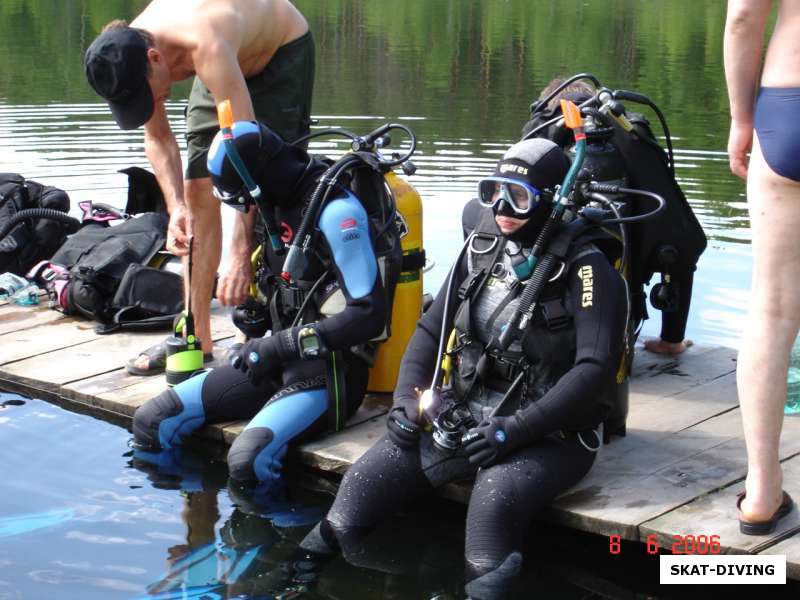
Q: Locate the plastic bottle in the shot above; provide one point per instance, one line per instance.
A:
(27, 296)
(793, 382)
(10, 284)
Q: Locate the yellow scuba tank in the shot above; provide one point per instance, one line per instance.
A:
(407, 305)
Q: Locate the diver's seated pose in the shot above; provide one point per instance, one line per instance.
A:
(311, 373)
(522, 415)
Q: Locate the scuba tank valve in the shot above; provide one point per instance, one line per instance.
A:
(184, 352)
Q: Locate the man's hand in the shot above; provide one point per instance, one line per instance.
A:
(177, 231)
(659, 346)
(234, 285)
(739, 143)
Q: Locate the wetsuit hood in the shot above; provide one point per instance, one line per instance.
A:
(282, 171)
(541, 164)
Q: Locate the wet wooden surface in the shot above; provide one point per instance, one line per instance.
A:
(677, 471)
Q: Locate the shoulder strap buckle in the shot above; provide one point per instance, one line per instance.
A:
(555, 315)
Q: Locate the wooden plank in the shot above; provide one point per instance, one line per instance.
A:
(625, 491)
(715, 514)
(124, 392)
(14, 317)
(57, 335)
(94, 357)
(669, 376)
(651, 417)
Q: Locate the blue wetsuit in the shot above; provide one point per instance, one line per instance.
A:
(294, 401)
(777, 124)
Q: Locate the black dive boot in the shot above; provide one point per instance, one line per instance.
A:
(492, 583)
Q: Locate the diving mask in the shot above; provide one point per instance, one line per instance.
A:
(521, 197)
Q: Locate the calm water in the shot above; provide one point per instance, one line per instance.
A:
(94, 522)
(461, 73)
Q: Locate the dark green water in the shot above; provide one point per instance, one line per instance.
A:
(462, 74)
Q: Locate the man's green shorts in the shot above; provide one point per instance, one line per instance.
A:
(281, 96)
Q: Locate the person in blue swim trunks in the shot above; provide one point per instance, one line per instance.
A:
(773, 195)
(311, 374)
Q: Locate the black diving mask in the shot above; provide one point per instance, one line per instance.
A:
(521, 197)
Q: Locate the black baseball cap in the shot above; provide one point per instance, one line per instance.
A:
(116, 67)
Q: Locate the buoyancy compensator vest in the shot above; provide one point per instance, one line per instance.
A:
(316, 294)
(26, 240)
(489, 296)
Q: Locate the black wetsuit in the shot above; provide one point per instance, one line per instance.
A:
(561, 421)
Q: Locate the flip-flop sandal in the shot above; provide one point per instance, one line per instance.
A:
(156, 361)
(768, 526)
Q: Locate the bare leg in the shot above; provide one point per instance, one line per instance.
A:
(771, 328)
(206, 226)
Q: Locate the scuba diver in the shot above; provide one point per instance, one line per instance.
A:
(623, 150)
(522, 344)
(327, 304)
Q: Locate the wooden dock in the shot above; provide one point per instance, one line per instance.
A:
(676, 473)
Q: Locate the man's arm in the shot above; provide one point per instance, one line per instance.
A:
(743, 45)
(217, 66)
(162, 151)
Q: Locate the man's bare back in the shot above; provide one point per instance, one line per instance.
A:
(256, 28)
(782, 63)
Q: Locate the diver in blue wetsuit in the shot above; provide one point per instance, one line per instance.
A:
(325, 320)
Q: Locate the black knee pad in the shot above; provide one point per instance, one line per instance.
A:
(148, 417)
(492, 582)
(244, 451)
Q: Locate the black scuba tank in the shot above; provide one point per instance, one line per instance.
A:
(603, 162)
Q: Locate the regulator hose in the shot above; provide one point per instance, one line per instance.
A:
(294, 261)
(38, 213)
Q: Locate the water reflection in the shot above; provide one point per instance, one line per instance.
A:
(460, 72)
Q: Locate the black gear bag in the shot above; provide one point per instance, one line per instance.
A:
(28, 240)
(101, 273)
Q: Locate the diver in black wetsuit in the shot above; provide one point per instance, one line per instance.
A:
(549, 384)
(310, 373)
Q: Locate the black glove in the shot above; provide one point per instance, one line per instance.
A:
(258, 358)
(403, 423)
(494, 439)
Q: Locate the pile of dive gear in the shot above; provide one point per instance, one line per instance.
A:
(102, 271)
(620, 195)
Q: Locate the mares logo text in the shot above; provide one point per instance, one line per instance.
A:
(513, 169)
(587, 278)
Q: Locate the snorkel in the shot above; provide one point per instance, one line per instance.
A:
(573, 120)
(225, 116)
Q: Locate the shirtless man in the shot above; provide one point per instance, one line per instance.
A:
(257, 53)
(772, 108)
